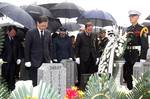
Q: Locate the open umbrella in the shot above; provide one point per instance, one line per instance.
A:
(148, 18)
(97, 17)
(48, 6)
(17, 14)
(71, 26)
(11, 24)
(35, 11)
(66, 10)
(54, 25)
(146, 23)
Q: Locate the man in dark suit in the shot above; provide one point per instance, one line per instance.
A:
(136, 48)
(86, 50)
(11, 55)
(37, 48)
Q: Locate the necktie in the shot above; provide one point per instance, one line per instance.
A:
(42, 34)
(42, 42)
(12, 41)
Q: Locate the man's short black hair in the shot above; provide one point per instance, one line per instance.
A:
(88, 24)
(42, 19)
(9, 28)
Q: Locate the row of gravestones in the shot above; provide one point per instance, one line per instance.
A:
(59, 75)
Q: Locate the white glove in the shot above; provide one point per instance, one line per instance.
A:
(55, 60)
(1, 61)
(27, 64)
(97, 61)
(18, 61)
(142, 60)
(78, 60)
(70, 59)
(51, 61)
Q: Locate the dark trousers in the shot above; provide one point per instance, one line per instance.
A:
(17, 72)
(131, 56)
(87, 67)
(33, 75)
(127, 74)
(8, 73)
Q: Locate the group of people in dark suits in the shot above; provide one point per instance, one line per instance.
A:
(40, 47)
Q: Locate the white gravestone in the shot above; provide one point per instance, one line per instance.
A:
(54, 74)
(71, 72)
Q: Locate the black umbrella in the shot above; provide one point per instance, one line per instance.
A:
(97, 17)
(71, 26)
(35, 11)
(66, 10)
(146, 23)
(17, 14)
(48, 6)
(1, 15)
(148, 18)
(11, 24)
(54, 25)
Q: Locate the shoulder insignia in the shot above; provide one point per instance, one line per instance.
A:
(144, 32)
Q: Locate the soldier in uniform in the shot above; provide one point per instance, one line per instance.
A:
(136, 47)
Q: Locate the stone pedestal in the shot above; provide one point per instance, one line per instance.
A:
(137, 70)
(54, 74)
(71, 72)
(119, 76)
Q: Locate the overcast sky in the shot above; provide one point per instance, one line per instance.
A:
(118, 8)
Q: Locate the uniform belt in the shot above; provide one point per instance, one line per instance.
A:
(134, 47)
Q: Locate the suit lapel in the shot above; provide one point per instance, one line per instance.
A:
(37, 34)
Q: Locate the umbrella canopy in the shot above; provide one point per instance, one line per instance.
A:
(97, 17)
(148, 18)
(71, 26)
(54, 25)
(48, 5)
(66, 10)
(35, 11)
(11, 24)
(146, 23)
(17, 14)
(1, 15)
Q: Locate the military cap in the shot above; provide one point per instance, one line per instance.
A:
(134, 13)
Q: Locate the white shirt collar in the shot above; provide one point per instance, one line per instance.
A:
(40, 31)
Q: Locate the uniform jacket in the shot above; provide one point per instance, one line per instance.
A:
(62, 48)
(137, 40)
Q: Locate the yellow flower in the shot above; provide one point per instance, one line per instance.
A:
(34, 97)
(28, 97)
(74, 88)
(65, 97)
(81, 93)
